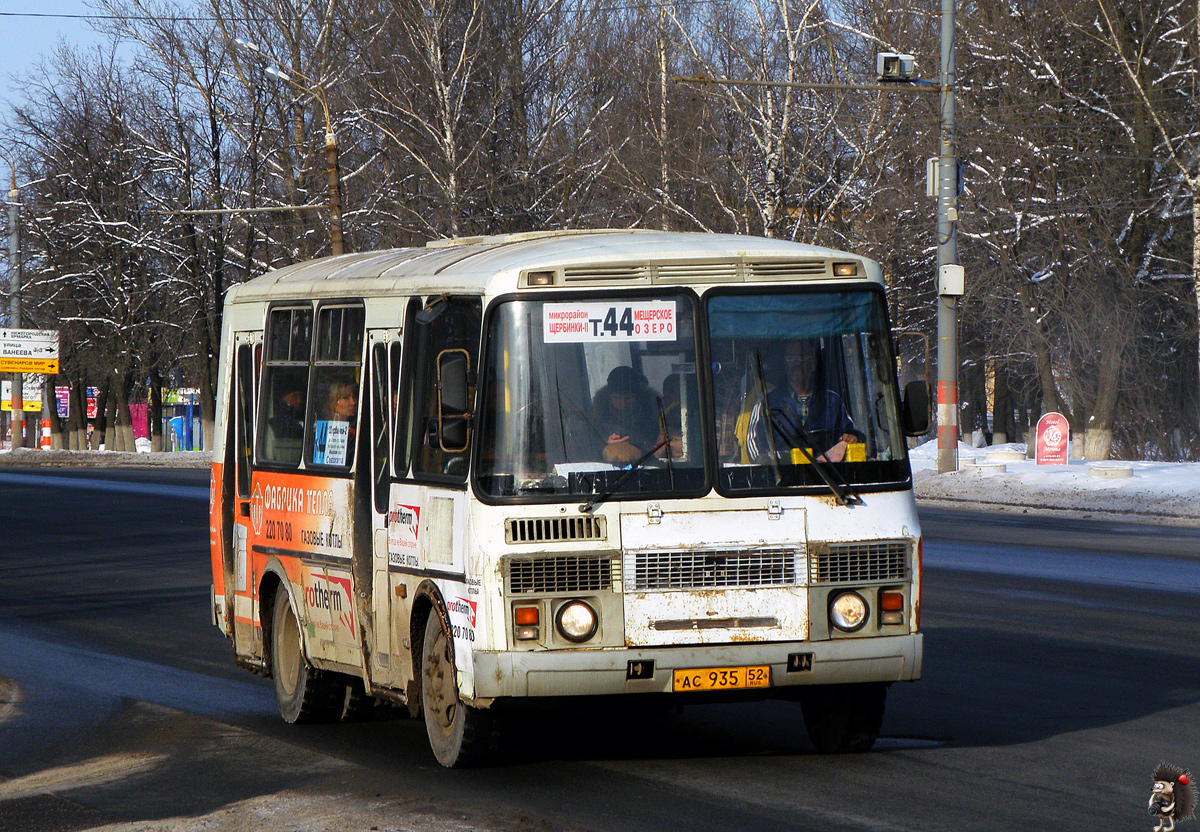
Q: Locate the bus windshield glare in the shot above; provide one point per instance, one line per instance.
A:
(577, 392)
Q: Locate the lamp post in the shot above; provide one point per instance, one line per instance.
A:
(317, 91)
(14, 301)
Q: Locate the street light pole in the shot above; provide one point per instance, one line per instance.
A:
(947, 255)
(317, 91)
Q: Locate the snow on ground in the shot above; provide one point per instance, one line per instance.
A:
(1163, 491)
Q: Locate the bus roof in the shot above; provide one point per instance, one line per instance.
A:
(575, 258)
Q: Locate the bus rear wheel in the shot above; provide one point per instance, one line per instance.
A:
(844, 719)
(458, 734)
(304, 693)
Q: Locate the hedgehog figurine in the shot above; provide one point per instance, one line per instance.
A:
(1173, 797)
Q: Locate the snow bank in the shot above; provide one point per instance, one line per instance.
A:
(1155, 490)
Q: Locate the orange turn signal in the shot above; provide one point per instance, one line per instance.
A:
(526, 616)
(891, 601)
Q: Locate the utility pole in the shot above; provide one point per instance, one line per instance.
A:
(949, 288)
(14, 305)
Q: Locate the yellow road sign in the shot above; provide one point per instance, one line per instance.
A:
(49, 366)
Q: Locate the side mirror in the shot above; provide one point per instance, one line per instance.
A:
(914, 411)
(453, 385)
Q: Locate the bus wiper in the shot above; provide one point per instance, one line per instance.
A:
(846, 496)
(612, 489)
(842, 490)
(666, 432)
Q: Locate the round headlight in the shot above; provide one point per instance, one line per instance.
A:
(576, 621)
(848, 611)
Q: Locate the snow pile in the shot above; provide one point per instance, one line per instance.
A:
(35, 457)
(1164, 490)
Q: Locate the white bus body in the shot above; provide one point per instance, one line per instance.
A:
(540, 465)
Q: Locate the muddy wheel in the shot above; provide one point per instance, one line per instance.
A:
(304, 693)
(844, 719)
(458, 734)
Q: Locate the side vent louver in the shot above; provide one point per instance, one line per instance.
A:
(554, 529)
(590, 274)
(785, 269)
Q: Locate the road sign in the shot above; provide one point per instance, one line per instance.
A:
(29, 351)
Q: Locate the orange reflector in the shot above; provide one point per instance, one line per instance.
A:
(845, 269)
(891, 601)
(526, 616)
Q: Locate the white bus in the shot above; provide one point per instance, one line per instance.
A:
(566, 464)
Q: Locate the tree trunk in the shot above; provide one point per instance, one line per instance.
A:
(154, 412)
(77, 415)
(102, 421)
(1097, 439)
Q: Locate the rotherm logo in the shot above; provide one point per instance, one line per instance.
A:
(256, 509)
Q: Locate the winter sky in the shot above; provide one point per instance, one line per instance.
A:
(32, 28)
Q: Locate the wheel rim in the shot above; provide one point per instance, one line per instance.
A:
(287, 652)
(441, 699)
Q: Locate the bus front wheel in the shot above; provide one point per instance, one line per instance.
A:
(844, 719)
(304, 693)
(458, 734)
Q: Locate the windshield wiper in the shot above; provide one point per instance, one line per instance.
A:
(666, 442)
(846, 496)
(612, 489)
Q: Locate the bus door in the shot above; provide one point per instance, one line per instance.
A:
(248, 353)
(427, 528)
(383, 349)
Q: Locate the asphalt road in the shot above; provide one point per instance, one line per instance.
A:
(1060, 667)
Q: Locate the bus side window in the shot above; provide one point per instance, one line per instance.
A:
(285, 385)
(333, 411)
(381, 418)
(245, 418)
(455, 324)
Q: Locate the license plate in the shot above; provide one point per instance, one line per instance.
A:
(723, 678)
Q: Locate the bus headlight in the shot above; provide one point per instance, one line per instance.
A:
(848, 611)
(576, 621)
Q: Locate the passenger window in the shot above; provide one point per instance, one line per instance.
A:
(333, 411)
(285, 385)
(443, 324)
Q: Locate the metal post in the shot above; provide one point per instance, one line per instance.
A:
(947, 254)
(14, 306)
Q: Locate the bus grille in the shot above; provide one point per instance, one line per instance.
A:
(713, 569)
(836, 563)
(554, 529)
(561, 573)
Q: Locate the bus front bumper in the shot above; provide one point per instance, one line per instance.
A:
(607, 671)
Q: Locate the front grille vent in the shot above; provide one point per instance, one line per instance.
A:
(838, 563)
(560, 573)
(713, 569)
(785, 269)
(554, 529)
(605, 274)
(697, 272)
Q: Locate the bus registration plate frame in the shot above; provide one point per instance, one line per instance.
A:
(721, 678)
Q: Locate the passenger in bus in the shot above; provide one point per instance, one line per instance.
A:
(288, 421)
(624, 407)
(343, 402)
(805, 403)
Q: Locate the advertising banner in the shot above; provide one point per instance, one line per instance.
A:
(1053, 439)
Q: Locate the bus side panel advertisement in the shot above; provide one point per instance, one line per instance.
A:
(304, 515)
(329, 612)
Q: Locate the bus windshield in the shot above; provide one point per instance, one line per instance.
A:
(579, 391)
(803, 379)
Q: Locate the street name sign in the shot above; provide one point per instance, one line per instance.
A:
(29, 351)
